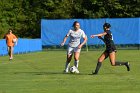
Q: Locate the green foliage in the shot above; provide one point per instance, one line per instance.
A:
(24, 16)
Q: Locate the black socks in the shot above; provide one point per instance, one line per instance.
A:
(120, 63)
(99, 64)
(97, 67)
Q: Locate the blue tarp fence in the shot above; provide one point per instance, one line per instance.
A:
(23, 46)
(125, 30)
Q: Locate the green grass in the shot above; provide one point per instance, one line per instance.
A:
(41, 72)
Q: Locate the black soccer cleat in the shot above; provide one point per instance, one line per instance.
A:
(128, 66)
(94, 73)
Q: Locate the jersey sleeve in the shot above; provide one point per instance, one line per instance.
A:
(83, 34)
(108, 32)
(68, 34)
(14, 36)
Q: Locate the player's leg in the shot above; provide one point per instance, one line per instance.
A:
(69, 57)
(113, 61)
(8, 49)
(76, 56)
(103, 56)
(11, 52)
(112, 58)
(76, 59)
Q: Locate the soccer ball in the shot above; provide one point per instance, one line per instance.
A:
(14, 40)
(73, 69)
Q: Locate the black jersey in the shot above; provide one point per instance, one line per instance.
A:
(108, 39)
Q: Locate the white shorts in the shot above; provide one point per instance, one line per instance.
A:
(70, 50)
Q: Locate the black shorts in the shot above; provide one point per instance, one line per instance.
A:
(110, 49)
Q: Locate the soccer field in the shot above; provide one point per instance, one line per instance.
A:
(42, 72)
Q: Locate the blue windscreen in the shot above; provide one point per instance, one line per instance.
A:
(125, 30)
(23, 46)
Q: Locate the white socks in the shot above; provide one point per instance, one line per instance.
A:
(76, 63)
(67, 66)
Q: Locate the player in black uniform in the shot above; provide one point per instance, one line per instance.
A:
(110, 49)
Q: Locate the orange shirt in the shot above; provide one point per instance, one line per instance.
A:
(9, 39)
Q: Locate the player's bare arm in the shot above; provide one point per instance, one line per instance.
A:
(98, 35)
(64, 40)
(85, 40)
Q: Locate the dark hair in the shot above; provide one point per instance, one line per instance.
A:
(107, 25)
(10, 29)
(75, 23)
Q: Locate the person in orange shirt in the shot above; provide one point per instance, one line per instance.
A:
(11, 41)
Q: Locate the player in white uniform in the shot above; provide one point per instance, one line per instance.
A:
(74, 46)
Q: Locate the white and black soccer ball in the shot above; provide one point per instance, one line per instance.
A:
(73, 69)
(14, 40)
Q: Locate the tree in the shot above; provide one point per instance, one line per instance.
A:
(24, 16)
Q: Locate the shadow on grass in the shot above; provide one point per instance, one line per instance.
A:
(50, 73)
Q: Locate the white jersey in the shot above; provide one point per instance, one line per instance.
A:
(75, 37)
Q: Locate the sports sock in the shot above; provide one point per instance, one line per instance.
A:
(98, 67)
(67, 66)
(76, 63)
(120, 63)
(123, 63)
